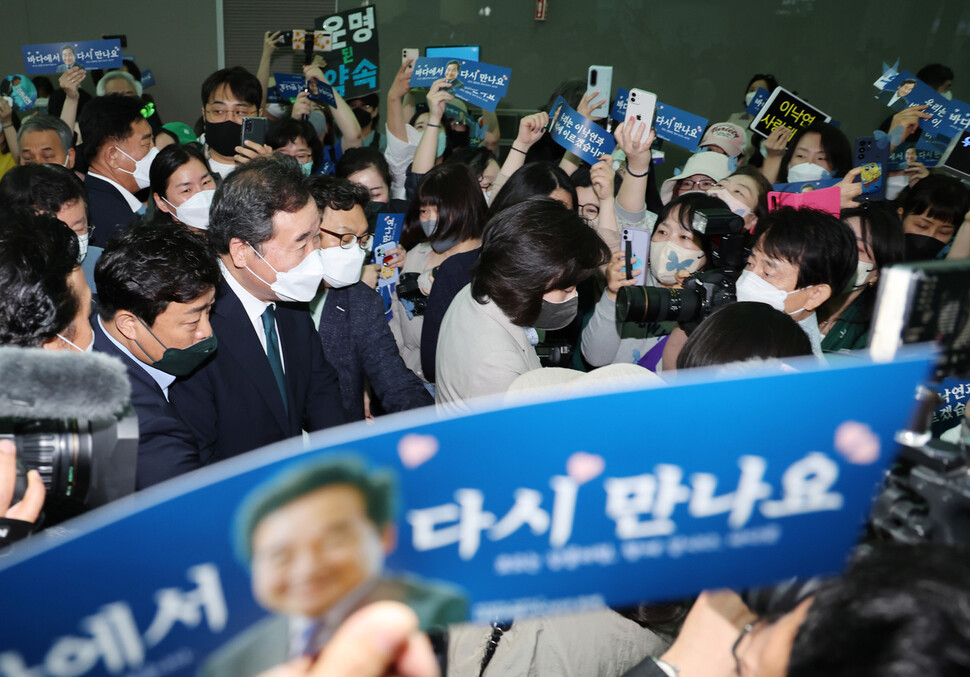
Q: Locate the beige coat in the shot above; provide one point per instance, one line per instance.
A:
(480, 352)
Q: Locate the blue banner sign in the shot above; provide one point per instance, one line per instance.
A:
(618, 112)
(580, 136)
(511, 511)
(678, 126)
(478, 83)
(57, 57)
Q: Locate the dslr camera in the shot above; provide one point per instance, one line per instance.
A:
(703, 292)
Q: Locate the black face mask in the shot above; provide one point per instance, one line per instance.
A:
(363, 117)
(922, 247)
(223, 137)
(458, 139)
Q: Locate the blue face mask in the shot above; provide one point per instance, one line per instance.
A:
(442, 142)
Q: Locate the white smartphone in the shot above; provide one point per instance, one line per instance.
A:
(600, 79)
(640, 107)
(636, 242)
(410, 54)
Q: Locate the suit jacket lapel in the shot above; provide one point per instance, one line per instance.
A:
(237, 337)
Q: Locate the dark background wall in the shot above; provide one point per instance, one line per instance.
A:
(695, 55)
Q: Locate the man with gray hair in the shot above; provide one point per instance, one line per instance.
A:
(46, 139)
(269, 380)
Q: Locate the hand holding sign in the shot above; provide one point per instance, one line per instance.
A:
(301, 106)
(908, 119)
(777, 141)
(71, 79)
(438, 98)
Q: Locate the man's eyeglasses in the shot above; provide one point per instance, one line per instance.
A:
(347, 240)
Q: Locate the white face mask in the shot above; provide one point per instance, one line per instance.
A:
(341, 267)
(299, 283)
(142, 167)
(895, 186)
(276, 110)
(76, 347)
(752, 287)
(748, 98)
(946, 95)
(732, 201)
(195, 211)
(862, 271)
(82, 246)
(806, 171)
(668, 260)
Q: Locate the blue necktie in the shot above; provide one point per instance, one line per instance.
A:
(273, 351)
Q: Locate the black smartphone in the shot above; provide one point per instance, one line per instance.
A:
(254, 129)
(285, 39)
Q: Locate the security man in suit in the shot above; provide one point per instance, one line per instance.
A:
(314, 539)
(157, 288)
(119, 148)
(349, 314)
(269, 380)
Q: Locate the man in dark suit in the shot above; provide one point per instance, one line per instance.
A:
(269, 379)
(156, 289)
(315, 540)
(350, 315)
(119, 150)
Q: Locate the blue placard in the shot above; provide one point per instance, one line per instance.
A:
(516, 509)
(950, 117)
(759, 100)
(147, 78)
(580, 136)
(387, 236)
(288, 86)
(476, 82)
(804, 186)
(678, 126)
(618, 112)
(20, 90)
(324, 95)
(898, 158)
(57, 57)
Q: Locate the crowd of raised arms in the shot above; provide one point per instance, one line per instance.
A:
(237, 283)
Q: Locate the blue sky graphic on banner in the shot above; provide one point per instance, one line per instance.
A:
(352, 63)
(678, 126)
(476, 82)
(519, 510)
(57, 57)
(580, 136)
(618, 112)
